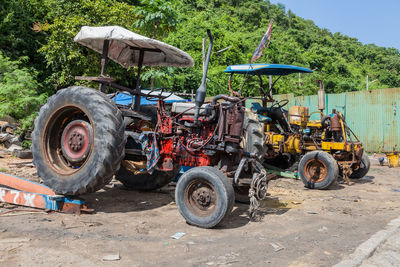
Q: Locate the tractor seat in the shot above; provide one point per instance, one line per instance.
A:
(256, 107)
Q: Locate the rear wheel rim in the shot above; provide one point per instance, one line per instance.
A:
(76, 141)
(201, 197)
(315, 171)
(67, 140)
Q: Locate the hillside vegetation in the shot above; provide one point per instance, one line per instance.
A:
(37, 48)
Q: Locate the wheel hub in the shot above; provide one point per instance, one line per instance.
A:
(76, 141)
(315, 171)
(203, 196)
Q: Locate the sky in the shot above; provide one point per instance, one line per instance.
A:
(369, 21)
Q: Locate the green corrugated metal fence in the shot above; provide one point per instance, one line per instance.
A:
(374, 116)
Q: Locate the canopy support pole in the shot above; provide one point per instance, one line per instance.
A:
(104, 57)
(137, 88)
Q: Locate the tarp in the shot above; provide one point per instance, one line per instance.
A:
(266, 69)
(123, 43)
(126, 99)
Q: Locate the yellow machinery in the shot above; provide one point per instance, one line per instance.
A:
(320, 150)
(325, 147)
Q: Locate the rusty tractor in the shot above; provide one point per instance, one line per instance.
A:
(82, 137)
(320, 150)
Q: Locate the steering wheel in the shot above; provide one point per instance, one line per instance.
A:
(150, 97)
(280, 104)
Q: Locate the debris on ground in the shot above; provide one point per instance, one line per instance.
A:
(15, 240)
(312, 212)
(22, 153)
(14, 147)
(323, 229)
(178, 235)
(12, 142)
(277, 247)
(112, 257)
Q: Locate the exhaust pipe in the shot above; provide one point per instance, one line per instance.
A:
(201, 91)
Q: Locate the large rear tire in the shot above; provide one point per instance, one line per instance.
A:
(78, 141)
(204, 196)
(318, 170)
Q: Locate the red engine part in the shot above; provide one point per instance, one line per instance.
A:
(180, 145)
(176, 150)
(165, 123)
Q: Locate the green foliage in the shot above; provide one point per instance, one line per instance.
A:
(340, 61)
(18, 95)
(67, 59)
(40, 57)
(155, 17)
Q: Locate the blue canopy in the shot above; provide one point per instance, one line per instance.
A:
(266, 69)
(127, 99)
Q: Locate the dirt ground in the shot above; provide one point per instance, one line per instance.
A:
(300, 227)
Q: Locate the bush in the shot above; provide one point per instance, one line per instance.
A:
(18, 92)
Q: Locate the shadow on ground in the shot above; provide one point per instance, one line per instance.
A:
(240, 215)
(119, 199)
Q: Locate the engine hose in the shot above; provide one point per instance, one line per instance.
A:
(232, 99)
(205, 143)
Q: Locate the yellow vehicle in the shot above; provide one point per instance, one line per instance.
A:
(320, 150)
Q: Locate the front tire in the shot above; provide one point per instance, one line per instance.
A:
(363, 168)
(78, 141)
(318, 170)
(204, 196)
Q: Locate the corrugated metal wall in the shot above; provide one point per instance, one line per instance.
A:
(374, 116)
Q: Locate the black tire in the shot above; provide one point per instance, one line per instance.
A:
(253, 142)
(8, 128)
(318, 170)
(145, 181)
(242, 194)
(325, 121)
(253, 133)
(105, 142)
(363, 169)
(214, 187)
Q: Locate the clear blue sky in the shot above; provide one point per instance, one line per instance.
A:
(369, 21)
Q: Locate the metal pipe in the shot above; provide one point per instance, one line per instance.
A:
(201, 91)
(225, 97)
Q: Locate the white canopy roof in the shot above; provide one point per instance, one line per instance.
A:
(124, 45)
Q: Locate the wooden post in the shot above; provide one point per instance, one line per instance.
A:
(137, 87)
(104, 57)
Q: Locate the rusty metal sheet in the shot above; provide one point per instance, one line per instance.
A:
(19, 191)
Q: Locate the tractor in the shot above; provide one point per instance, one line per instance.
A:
(82, 138)
(321, 149)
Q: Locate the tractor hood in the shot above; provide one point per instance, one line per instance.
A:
(125, 45)
(266, 69)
